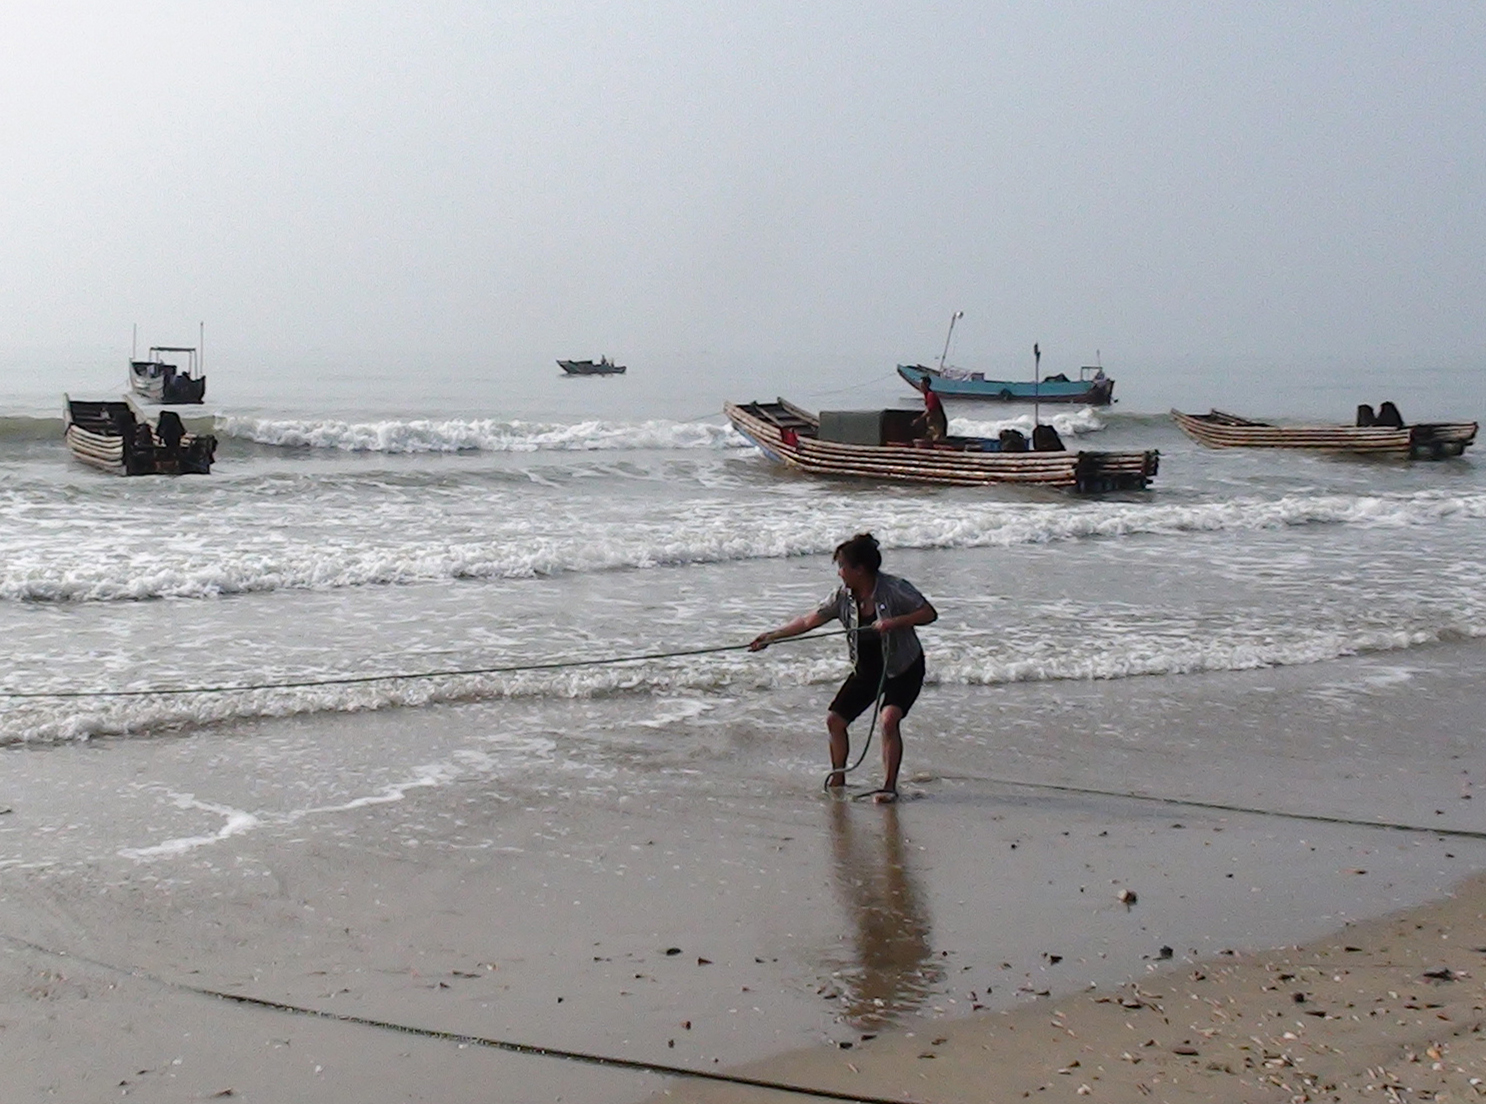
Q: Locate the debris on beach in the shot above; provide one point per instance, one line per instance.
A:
(1127, 897)
(1444, 973)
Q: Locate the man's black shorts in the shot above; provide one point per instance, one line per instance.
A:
(860, 689)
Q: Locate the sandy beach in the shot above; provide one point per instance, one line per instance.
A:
(1034, 933)
(1390, 1009)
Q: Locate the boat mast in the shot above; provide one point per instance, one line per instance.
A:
(134, 343)
(201, 350)
(1036, 387)
(952, 320)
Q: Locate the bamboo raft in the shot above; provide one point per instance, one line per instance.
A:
(115, 437)
(792, 436)
(1424, 441)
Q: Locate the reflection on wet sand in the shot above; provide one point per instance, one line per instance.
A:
(892, 969)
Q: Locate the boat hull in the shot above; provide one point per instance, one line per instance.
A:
(1098, 392)
(108, 436)
(590, 368)
(787, 435)
(1424, 441)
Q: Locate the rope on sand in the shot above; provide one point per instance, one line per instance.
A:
(529, 1049)
(1222, 807)
(349, 680)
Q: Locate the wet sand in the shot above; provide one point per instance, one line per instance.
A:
(701, 906)
(1391, 1009)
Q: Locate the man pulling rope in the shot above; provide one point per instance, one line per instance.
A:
(880, 613)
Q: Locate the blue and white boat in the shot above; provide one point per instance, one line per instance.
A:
(1092, 387)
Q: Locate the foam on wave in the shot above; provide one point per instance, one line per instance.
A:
(41, 722)
(478, 435)
(1069, 423)
(65, 574)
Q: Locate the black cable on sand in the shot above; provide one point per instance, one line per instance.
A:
(530, 1049)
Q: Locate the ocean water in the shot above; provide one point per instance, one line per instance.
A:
(369, 522)
(1283, 634)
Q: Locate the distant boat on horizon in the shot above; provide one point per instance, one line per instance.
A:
(160, 381)
(603, 367)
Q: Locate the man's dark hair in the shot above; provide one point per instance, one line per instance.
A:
(860, 551)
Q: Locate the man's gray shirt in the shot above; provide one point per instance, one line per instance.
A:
(892, 597)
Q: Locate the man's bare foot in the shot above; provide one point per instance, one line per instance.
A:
(884, 797)
(835, 780)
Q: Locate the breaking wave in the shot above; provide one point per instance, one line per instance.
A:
(1069, 423)
(422, 435)
(960, 663)
(256, 563)
(477, 435)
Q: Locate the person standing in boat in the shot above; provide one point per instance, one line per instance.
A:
(880, 613)
(933, 419)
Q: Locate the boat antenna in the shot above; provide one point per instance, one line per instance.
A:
(201, 349)
(1036, 387)
(134, 343)
(952, 320)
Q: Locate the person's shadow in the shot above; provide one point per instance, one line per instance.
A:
(893, 969)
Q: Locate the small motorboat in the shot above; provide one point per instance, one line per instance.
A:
(159, 380)
(1092, 387)
(602, 367)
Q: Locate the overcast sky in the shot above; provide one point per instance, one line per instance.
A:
(755, 179)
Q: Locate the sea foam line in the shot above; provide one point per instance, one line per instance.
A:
(53, 572)
(1068, 423)
(952, 665)
(478, 435)
(494, 435)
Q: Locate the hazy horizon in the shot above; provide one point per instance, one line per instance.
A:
(663, 182)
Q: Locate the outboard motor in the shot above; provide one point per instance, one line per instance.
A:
(1365, 416)
(139, 451)
(171, 430)
(1013, 441)
(1389, 416)
(197, 454)
(1045, 439)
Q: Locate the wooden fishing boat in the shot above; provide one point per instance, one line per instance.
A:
(118, 438)
(879, 444)
(1092, 387)
(1424, 441)
(603, 367)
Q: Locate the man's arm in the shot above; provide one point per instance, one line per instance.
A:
(802, 624)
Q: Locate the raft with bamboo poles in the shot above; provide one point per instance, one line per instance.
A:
(1422, 441)
(881, 445)
(117, 437)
